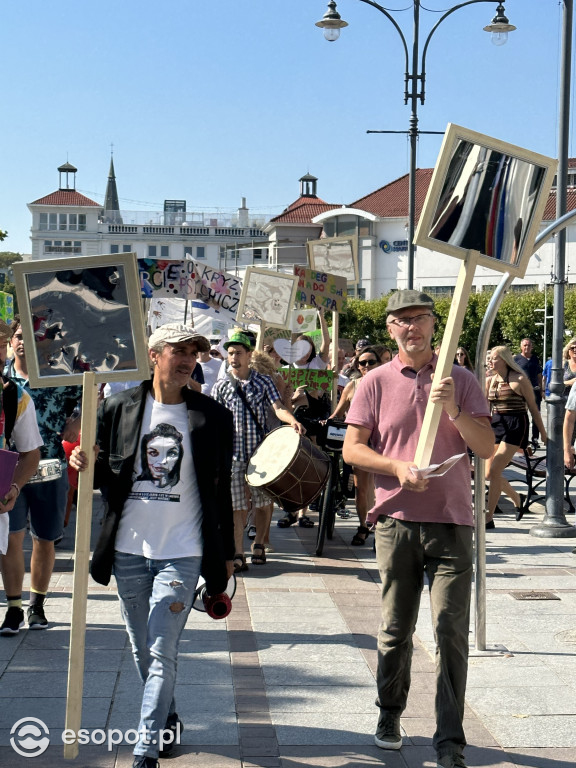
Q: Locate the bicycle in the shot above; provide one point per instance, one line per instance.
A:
(330, 438)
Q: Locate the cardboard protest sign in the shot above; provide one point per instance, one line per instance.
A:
(267, 297)
(334, 255)
(304, 377)
(219, 289)
(162, 277)
(6, 307)
(321, 289)
(303, 320)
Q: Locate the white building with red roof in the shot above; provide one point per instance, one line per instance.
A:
(67, 223)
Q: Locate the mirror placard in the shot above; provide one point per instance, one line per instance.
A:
(82, 314)
(485, 196)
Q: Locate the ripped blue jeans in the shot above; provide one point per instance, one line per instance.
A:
(155, 599)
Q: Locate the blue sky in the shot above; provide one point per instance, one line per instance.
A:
(213, 100)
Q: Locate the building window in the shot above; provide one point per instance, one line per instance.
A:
(526, 288)
(438, 290)
(63, 221)
(200, 252)
(257, 253)
(329, 229)
(127, 248)
(65, 247)
(364, 228)
(188, 252)
(151, 251)
(164, 251)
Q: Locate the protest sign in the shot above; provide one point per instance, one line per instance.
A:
(162, 277)
(217, 289)
(321, 290)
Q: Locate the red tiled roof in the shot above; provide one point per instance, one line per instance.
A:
(550, 209)
(391, 200)
(303, 210)
(66, 197)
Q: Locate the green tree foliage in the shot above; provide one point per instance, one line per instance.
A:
(517, 318)
(9, 257)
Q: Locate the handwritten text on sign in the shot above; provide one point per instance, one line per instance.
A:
(320, 289)
(163, 277)
(218, 289)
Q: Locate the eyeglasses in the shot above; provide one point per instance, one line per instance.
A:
(363, 363)
(572, 349)
(406, 322)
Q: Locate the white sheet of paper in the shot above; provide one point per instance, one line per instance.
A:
(437, 470)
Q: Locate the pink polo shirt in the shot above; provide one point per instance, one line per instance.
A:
(391, 402)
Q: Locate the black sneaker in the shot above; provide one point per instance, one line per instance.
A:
(13, 621)
(388, 734)
(36, 617)
(143, 761)
(175, 726)
(251, 532)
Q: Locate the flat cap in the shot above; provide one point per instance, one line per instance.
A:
(173, 333)
(408, 298)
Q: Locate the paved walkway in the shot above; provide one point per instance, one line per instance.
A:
(288, 680)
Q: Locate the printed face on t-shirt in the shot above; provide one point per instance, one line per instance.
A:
(161, 455)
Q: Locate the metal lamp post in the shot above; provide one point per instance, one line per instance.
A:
(415, 83)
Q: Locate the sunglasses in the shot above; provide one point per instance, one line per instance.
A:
(572, 349)
(363, 363)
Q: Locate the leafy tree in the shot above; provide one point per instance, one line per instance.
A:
(9, 257)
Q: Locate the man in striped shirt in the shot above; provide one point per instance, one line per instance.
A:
(248, 395)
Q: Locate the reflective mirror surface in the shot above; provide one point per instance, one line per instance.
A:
(487, 202)
(81, 321)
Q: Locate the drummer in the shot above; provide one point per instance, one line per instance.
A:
(248, 394)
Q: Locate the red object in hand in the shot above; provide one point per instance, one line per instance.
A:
(217, 606)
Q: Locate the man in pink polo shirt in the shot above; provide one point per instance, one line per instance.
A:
(423, 527)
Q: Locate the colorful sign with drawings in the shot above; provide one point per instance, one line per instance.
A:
(6, 306)
(320, 289)
(160, 277)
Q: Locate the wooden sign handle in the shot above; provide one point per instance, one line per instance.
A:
(334, 361)
(446, 357)
(81, 565)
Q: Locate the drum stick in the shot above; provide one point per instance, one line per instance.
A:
(81, 562)
(446, 357)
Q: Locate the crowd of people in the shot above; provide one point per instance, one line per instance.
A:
(171, 461)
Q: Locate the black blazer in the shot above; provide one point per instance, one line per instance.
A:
(211, 433)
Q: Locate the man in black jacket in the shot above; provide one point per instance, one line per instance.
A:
(164, 462)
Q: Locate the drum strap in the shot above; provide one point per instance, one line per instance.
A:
(240, 392)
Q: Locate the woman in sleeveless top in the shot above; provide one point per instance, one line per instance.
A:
(511, 397)
(365, 361)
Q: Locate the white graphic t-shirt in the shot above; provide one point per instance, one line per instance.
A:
(162, 518)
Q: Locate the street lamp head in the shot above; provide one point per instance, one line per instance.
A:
(499, 27)
(331, 23)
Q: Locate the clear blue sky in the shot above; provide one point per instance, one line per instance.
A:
(212, 100)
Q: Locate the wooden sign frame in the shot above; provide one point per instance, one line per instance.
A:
(486, 196)
(319, 257)
(257, 297)
(131, 333)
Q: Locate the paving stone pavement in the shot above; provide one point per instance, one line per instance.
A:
(287, 681)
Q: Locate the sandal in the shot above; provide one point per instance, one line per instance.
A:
(305, 522)
(287, 521)
(240, 563)
(520, 509)
(258, 557)
(359, 538)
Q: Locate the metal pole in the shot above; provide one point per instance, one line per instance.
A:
(554, 524)
(413, 76)
(480, 473)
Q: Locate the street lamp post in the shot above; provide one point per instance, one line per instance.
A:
(415, 83)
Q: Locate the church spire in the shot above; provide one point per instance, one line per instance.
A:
(111, 204)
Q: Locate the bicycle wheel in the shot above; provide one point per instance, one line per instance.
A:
(325, 513)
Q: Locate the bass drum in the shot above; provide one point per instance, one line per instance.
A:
(289, 468)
